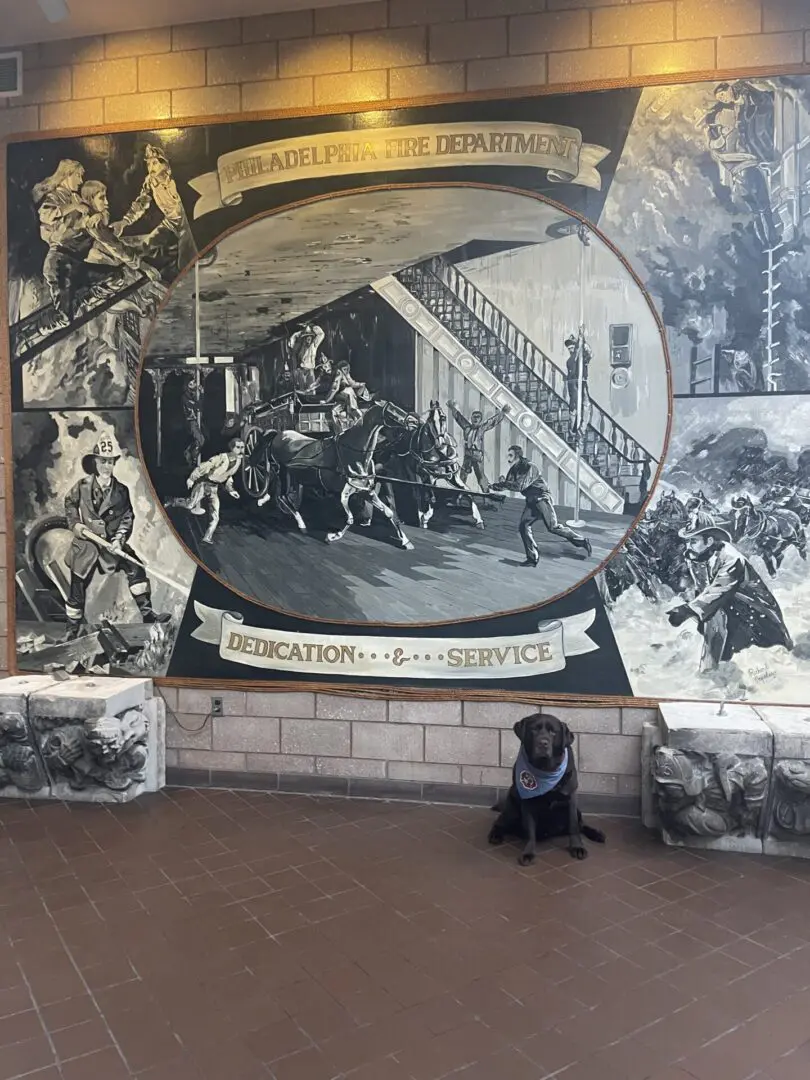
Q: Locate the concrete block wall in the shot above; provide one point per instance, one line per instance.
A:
(278, 740)
(391, 49)
(371, 52)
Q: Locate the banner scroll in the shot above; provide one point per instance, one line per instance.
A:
(558, 149)
(385, 657)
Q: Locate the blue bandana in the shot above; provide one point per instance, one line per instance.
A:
(531, 782)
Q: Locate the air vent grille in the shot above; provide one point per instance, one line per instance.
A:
(10, 74)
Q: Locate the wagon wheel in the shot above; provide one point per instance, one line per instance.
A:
(51, 523)
(256, 473)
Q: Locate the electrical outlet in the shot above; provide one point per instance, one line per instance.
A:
(216, 706)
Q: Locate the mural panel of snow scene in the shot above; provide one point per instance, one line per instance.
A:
(710, 594)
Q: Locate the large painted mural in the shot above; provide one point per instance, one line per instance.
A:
(481, 398)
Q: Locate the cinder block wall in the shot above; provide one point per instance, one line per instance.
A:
(393, 49)
(371, 52)
(367, 746)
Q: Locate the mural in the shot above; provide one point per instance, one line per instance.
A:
(352, 452)
(481, 398)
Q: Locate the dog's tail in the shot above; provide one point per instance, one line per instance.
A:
(596, 835)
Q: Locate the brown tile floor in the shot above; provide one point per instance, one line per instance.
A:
(236, 936)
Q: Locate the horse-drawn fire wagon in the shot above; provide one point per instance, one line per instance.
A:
(288, 412)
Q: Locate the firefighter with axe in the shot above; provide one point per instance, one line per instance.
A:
(99, 514)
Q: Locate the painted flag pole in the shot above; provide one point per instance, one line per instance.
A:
(582, 232)
(198, 349)
(197, 334)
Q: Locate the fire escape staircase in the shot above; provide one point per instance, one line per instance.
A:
(615, 471)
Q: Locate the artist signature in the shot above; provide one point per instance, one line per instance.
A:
(761, 674)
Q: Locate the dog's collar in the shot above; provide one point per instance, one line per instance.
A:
(531, 782)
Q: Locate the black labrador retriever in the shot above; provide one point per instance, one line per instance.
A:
(542, 801)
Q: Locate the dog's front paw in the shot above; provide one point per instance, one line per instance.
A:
(526, 859)
(495, 836)
(578, 851)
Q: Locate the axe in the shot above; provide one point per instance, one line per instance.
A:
(88, 534)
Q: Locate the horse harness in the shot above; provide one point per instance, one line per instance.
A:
(360, 482)
(423, 463)
(752, 512)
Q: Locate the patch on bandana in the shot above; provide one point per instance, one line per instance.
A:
(531, 782)
(527, 780)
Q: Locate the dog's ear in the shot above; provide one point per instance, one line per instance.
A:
(520, 728)
(568, 738)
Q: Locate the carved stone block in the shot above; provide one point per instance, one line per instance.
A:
(94, 740)
(708, 776)
(650, 738)
(790, 728)
(22, 774)
(699, 726)
(788, 821)
(80, 699)
(155, 710)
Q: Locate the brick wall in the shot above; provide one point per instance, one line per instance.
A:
(365, 53)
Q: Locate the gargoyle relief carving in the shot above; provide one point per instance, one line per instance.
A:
(20, 766)
(105, 751)
(791, 805)
(709, 795)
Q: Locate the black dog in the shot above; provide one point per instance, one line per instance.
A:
(542, 801)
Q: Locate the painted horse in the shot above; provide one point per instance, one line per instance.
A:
(783, 497)
(767, 532)
(425, 458)
(661, 527)
(701, 513)
(341, 465)
(633, 564)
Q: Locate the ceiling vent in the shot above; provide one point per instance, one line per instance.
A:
(10, 74)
